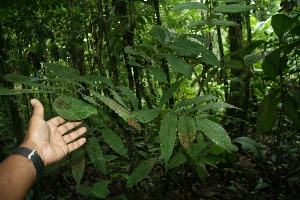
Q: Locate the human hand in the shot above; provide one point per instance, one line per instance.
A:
(47, 137)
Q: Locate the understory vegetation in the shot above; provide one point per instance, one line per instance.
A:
(181, 99)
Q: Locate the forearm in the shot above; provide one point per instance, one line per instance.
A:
(17, 175)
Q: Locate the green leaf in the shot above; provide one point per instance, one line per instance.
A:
(114, 141)
(122, 112)
(212, 160)
(168, 94)
(233, 8)
(270, 64)
(141, 172)
(197, 23)
(190, 6)
(160, 34)
(195, 100)
(159, 74)
(235, 64)
(200, 38)
(100, 189)
(178, 65)
(62, 71)
(96, 155)
(281, 24)
(292, 110)
(201, 171)
(267, 112)
(72, 109)
(145, 115)
(177, 160)
(215, 133)
(16, 78)
(78, 164)
(167, 135)
(133, 63)
(118, 98)
(214, 105)
(255, 57)
(186, 47)
(248, 144)
(223, 23)
(6, 91)
(187, 134)
(130, 95)
(215, 150)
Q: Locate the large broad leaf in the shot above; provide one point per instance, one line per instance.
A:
(281, 24)
(122, 112)
(271, 63)
(146, 116)
(292, 110)
(214, 105)
(160, 34)
(200, 38)
(267, 112)
(72, 109)
(235, 64)
(190, 6)
(100, 189)
(177, 160)
(96, 155)
(197, 23)
(78, 164)
(233, 8)
(114, 141)
(223, 23)
(255, 57)
(187, 134)
(195, 100)
(66, 72)
(159, 74)
(248, 144)
(6, 91)
(215, 132)
(187, 47)
(167, 135)
(178, 65)
(168, 94)
(130, 95)
(141, 172)
(16, 78)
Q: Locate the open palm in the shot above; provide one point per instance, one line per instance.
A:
(49, 138)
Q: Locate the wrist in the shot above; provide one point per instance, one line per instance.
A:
(31, 145)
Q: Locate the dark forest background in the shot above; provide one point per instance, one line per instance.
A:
(182, 99)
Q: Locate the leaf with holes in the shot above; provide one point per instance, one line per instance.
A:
(215, 132)
(72, 109)
(141, 172)
(190, 6)
(187, 134)
(167, 135)
(96, 155)
(114, 141)
(78, 164)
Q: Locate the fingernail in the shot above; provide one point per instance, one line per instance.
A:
(33, 101)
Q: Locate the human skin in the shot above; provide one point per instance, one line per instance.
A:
(48, 138)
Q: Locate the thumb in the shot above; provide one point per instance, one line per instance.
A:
(38, 108)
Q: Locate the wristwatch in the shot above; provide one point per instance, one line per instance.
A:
(34, 157)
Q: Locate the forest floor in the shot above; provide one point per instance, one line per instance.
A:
(253, 179)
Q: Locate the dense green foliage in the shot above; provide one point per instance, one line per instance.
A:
(171, 93)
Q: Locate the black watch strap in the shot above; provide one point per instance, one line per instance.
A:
(34, 157)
